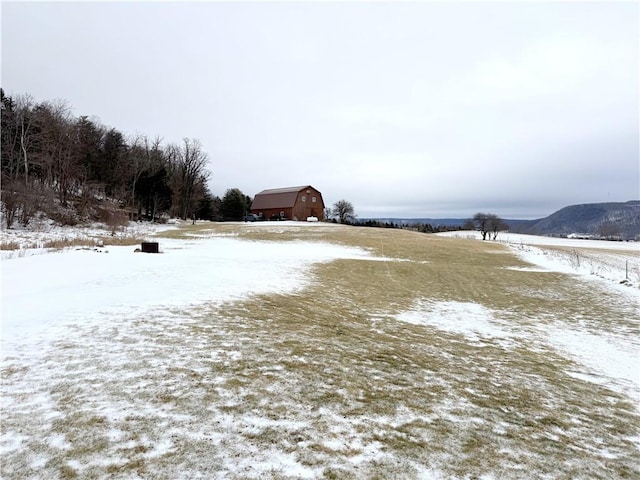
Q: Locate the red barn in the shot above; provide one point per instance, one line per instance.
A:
(294, 203)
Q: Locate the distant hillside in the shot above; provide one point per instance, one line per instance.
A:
(599, 219)
(605, 219)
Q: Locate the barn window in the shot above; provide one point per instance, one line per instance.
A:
(313, 199)
(304, 198)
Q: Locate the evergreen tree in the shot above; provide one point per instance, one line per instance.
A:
(234, 205)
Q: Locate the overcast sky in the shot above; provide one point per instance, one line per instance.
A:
(416, 109)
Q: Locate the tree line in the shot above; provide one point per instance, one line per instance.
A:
(488, 224)
(75, 168)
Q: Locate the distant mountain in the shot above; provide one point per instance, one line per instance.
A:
(599, 219)
(614, 219)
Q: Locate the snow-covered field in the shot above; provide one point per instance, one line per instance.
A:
(108, 354)
(43, 295)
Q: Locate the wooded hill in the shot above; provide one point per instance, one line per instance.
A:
(75, 169)
(609, 220)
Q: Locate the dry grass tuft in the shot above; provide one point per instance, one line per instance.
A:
(62, 243)
(10, 245)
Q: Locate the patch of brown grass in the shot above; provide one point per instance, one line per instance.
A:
(9, 245)
(62, 243)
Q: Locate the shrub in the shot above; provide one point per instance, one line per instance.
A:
(64, 216)
(117, 219)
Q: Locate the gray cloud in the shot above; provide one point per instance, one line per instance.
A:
(405, 109)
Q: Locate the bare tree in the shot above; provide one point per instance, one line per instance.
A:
(189, 163)
(496, 225)
(11, 201)
(145, 157)
(9, 149)
(343, 210)
(489, 224)
(21, 202)
(89, 135)
(17, 136)
(610, 230)
(24, 118)
(137, 156)
(58, 156)
(46, 152)
(481, 223)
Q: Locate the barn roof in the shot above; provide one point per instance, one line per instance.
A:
(277, 197)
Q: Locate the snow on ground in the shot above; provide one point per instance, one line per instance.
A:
(524, 239)
(60, 307)
(41, 295)
(31, 240)
(612, 261)
(469, 319)
(610, 357)
(56, 304)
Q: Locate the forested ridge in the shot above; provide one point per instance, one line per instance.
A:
(76, 169)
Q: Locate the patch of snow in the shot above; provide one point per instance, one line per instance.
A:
(528, 269)
(469, 319)
(613, 262)
(47, 293)
(160, 448)
(524, 239)
(609, 356)
(32, 240)
(12, 440)
(334, 444)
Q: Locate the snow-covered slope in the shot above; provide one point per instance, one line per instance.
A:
(615, 262)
